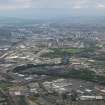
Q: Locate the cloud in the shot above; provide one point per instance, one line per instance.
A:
(101, 6)
(14, 4)
(77, 7)
(76, 4)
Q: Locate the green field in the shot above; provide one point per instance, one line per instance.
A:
(59, 52)
(4, 85)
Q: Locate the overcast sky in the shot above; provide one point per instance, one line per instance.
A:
(77, 4)
(70, 5)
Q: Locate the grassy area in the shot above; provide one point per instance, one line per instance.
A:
(98, 64)
(71, 50)
(4, 85)
(32, 100)
(59, 52)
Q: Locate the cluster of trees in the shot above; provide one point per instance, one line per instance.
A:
(84, 74)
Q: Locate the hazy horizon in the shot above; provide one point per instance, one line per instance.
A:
(49, 8)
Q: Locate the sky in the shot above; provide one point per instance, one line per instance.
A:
(76, 4)
(23, 7)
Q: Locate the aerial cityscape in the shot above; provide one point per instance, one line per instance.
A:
(51, 53)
